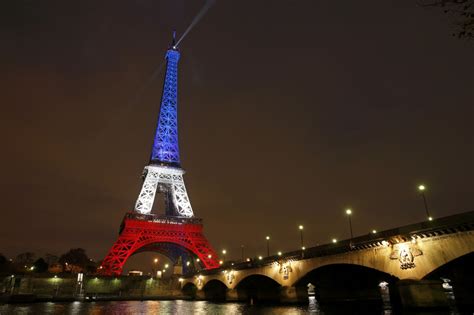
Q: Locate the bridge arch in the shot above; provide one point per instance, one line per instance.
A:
(138, 234)
(215, 290)
(454, 255)
(346, 282)
(189, 289)
(459, 275)
(258, 288)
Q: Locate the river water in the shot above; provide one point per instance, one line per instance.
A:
(185, 307)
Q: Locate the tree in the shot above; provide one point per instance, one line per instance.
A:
(463, 10)
(40, 265)
(75, 256)
(3, 259)
(26, 258)
(51, 259)
(5, 264)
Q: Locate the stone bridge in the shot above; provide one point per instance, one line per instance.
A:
(412, 260)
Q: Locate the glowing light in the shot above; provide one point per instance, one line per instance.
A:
(188, 263)
(279, 253)
(430, 218)
(303, 248)
(267, 238)
(224, 251)
(220, 262)
(334, 240)
(197, 260)
(421, 187)
(374, 231)
(300, 227)
(166, 266)
(180, 279)
(248, 259)
(155, 260)
(348, 211)
(209, 256)
(260, 257)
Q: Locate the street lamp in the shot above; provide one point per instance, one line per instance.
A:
(268, 245)
(334, 240)
(223, 255)
(421, 189)
(153, 268)
(301, 236)
(349, 213)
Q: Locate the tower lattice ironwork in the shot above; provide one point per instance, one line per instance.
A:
(177, 233)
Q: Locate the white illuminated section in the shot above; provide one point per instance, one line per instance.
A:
(156, 175)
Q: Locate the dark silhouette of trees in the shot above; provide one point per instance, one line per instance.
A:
(26, 258)
(463, 10)
(3, 259)
(51, 259)
(75, 257)
(5, 263)
(40, 265)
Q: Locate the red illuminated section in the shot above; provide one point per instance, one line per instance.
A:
(140, 231)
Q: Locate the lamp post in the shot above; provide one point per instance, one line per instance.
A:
(268, 245)
(349, 214)
(153, 269)
(301, 236)
(421, 189)
(223, 255)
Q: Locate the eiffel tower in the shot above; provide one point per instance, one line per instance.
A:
(176, 233)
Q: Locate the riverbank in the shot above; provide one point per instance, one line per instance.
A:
(68, 288)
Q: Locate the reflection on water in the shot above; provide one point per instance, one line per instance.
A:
(186, 307)
(313, 306)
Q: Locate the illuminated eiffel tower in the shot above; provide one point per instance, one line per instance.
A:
(176, 233)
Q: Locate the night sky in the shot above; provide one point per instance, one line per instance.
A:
(290, 111)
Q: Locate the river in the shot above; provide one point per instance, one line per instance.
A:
(186, 307)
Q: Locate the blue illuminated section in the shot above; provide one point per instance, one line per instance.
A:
(165, 146)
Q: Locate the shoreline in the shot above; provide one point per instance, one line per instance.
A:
(32, 298)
